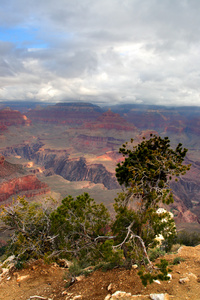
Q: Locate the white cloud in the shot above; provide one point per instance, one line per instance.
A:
(118, 50)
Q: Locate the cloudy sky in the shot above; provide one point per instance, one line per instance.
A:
(103, 51)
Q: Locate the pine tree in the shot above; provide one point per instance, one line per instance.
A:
(145, 175)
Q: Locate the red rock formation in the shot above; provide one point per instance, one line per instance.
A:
(29, 184)
(14, 181)
(7, 169)
(10, 117)
(3, 128)
(2, 159)
(181, 213)
(65, 113)
(110, 120)
(90, 143)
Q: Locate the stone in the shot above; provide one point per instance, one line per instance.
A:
(21, 278)
(109, 288)
(30, 185)
(69, 296)
(126, 296)
(157, 281)
(120, 295)
(64, 293)
(184, 280)
(134, 266)
(193, 276)
(159, 296)
(79, 278)
(170, 276)
(65, 263)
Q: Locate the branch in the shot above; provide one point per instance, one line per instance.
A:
(132, 236)
(143, 247)
(104, 238)
(124, 241)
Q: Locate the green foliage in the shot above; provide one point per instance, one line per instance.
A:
(188, 238)
(177, 260)
(114, 258)
(19, 265)
(77, 229)
(161, 273)
(31, 229)
(147, 169)
(76, 269)
(155, 253)
(80, 226)
(144, 175)
(2, 250)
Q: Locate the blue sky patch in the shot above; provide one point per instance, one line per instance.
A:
(22, 37)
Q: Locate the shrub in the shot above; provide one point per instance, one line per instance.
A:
(30, 224)
(177, 260)
(155, 253)
(188, 238)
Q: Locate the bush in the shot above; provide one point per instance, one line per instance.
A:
(2, 250)
(161, 273)
(81, 227)
(188, 238)
(177, 260)
(30, 224)
(155, 253)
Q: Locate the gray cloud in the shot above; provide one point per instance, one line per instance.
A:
(118, 50)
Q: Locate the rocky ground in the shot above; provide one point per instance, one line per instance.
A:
(40, 281)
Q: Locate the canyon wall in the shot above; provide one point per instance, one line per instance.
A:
(10, 117)
(110, 120)
(28, 186)
(65, 113)
(14, 181)
(58, 162)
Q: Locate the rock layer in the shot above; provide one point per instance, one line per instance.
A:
(28, 186)
(58, 162)
(109, 120)
(15, 181)
(65, 113)
(10, 117)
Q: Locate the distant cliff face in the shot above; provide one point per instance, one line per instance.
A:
(10, 117)
(58, 162)
(65, 113)
(182, 214)
(28, 186)
(79, 170)
(166, 120)
(14, 181)
(109, 120)
(8, 170)
(91, 143)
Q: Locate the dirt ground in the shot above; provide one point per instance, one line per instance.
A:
(49, 281)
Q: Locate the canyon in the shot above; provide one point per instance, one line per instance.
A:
(72, 147)
(10, 117)
(65, 113)
(15, 181)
